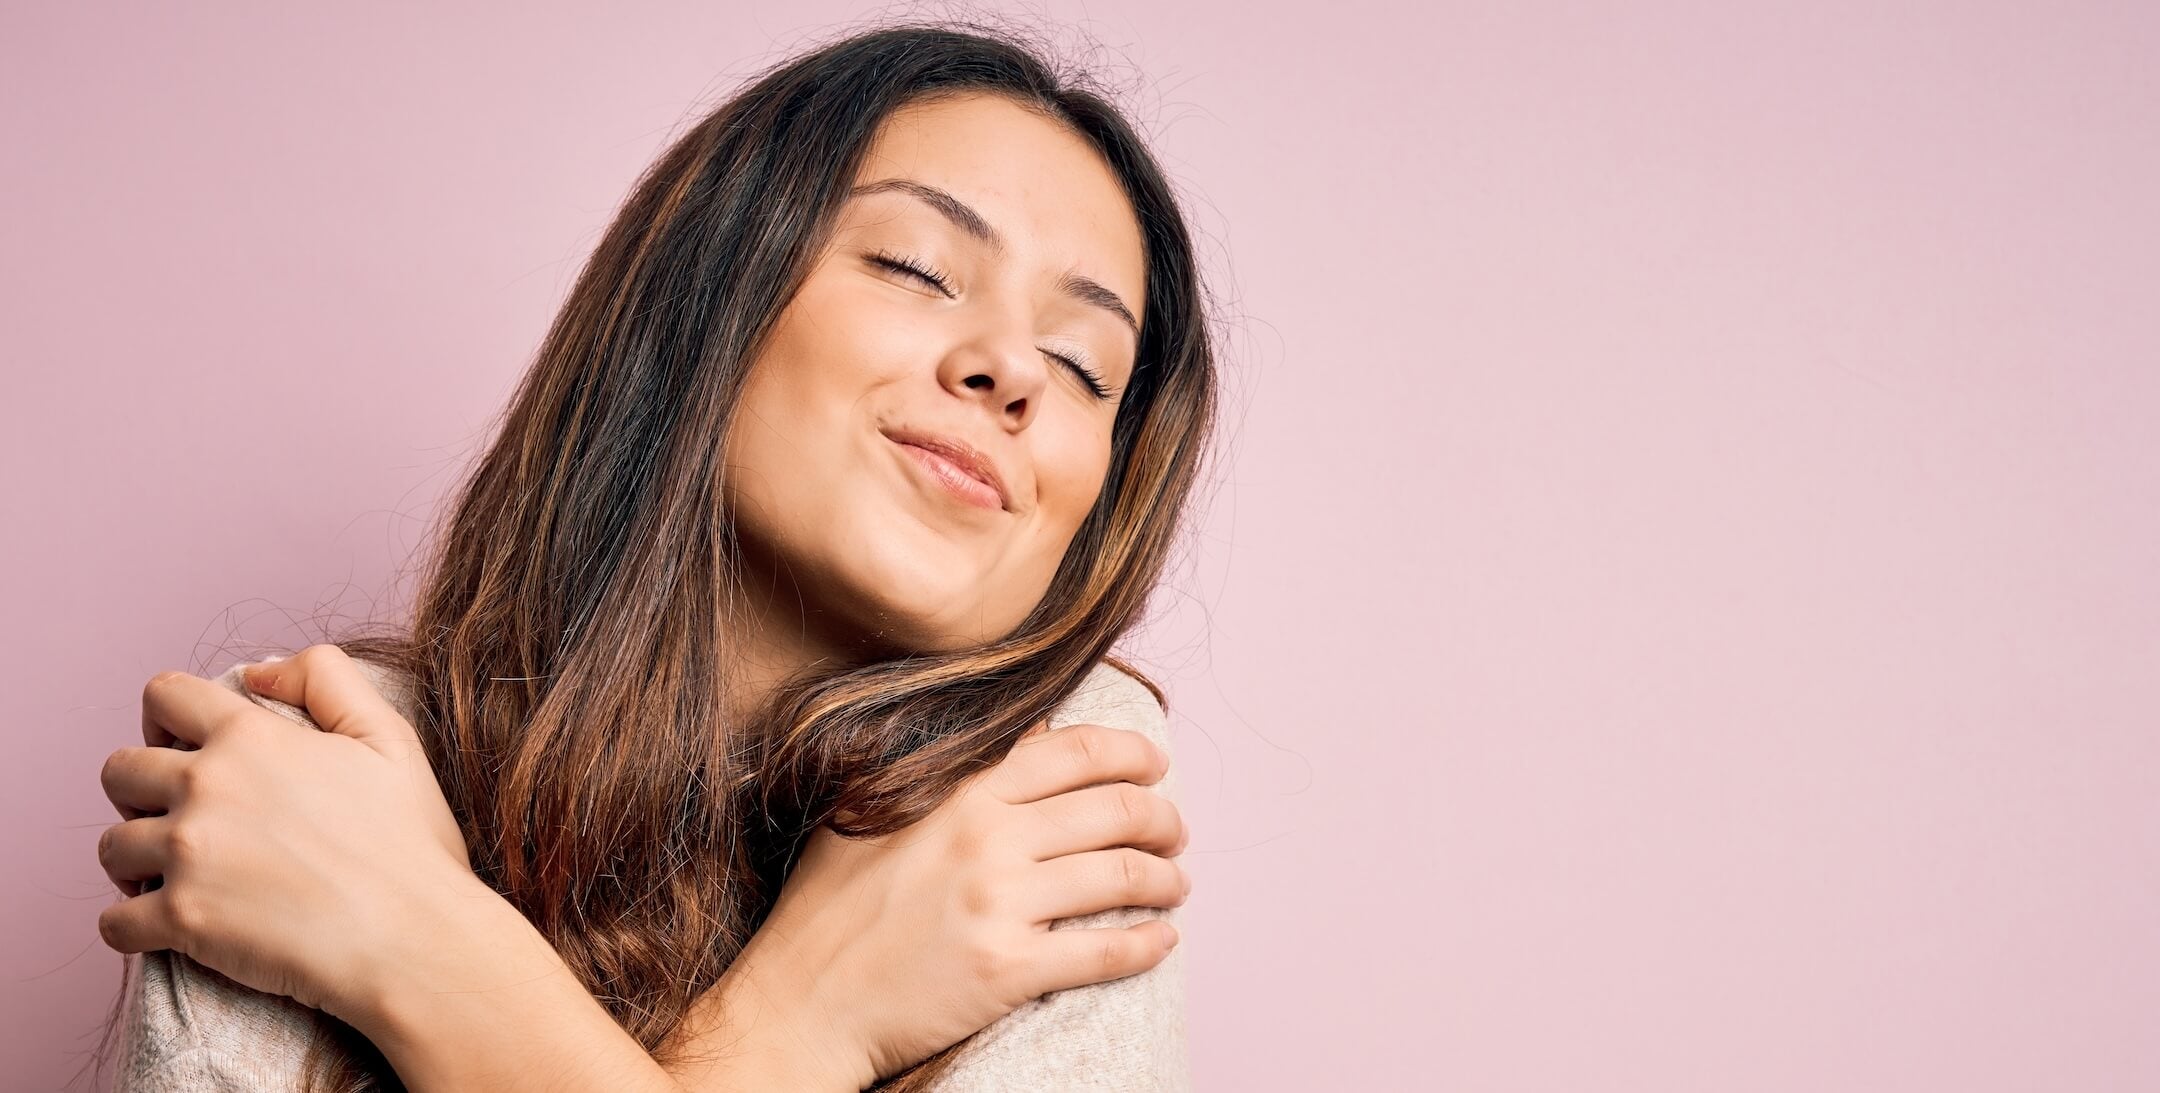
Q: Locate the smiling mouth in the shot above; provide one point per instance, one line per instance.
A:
(952, 476)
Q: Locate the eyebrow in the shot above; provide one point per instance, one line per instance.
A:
(1085, 289)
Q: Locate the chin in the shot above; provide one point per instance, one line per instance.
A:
(914, 601)
(932, 618)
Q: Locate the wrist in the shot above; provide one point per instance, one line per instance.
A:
(779, 1028)
(481, 1000)
(446, 944)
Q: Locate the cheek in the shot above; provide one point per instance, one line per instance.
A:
(815, 376)
(824, 353)
(795, 431)
(1072, 479)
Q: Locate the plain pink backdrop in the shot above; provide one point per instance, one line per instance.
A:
(1681, 612)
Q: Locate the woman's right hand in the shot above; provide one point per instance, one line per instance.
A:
(904, 945)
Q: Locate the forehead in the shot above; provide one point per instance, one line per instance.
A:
(1042, 186)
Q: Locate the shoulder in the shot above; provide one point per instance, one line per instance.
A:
(189, 1028)
(1118, 697)
(1121, 1034)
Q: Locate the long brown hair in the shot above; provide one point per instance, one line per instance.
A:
(565, 636)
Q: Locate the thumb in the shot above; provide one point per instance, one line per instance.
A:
(326, 682)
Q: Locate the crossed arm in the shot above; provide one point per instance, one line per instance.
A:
(525, 1021)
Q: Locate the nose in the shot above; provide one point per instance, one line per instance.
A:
(1004, 372)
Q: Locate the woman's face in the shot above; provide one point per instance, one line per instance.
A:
(833, 467)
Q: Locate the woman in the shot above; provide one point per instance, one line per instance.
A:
(861, 438)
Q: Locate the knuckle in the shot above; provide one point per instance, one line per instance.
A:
(183, 912)
(105, 841)
(161, 681)
(108, 928)
(1110, 953)
(1089, 742)
(241, 724)
(196, 779)
(185, 843)
(1132, 873)
(978, 897)
(1133, 805)
(993, 964)
(969, 843)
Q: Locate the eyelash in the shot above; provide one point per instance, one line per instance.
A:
(904, 264)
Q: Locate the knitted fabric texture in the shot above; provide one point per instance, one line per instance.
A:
(188, 1029)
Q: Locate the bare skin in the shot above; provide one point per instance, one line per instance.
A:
(850, 540)
(856, 541)
(877, 954)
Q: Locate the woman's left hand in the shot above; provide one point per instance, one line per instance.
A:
(292, 861)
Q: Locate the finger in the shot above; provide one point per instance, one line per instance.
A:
(340, 698)
(133, 851)
(1075, 957)
(1081, 884)
(1116, 814)
(140, 781)
(138, 924)
(155, 736)
(189, 711)
(1073, 757)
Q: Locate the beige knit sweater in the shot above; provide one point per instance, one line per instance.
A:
(188, 1029)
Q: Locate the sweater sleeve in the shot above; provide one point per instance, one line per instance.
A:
(188, 1029)
(191, 1030)
(1125, 1034)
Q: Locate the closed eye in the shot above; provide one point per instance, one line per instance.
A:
(1094, 380)
(916, 268)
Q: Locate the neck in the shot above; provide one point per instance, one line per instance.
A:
(776, 630)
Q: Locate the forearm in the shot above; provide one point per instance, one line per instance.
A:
(759, 1029)
(504, 1012)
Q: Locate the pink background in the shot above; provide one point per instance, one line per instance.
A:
(1681, 613)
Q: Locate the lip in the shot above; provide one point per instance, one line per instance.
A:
(952, 454)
